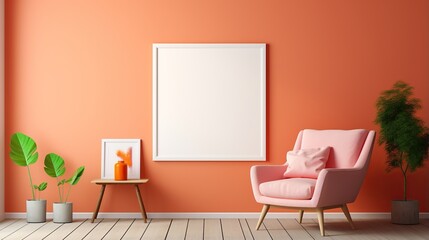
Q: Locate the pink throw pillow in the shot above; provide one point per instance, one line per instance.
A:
(306, 163)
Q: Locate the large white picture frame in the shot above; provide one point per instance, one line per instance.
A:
(109, 158)
(209, 102)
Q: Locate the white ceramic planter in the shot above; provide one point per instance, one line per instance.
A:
(36, 211)
(63, 212)
(405, 212)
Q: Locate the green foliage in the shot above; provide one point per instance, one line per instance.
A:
(23, 149)
(405, 138)
(54, 167)
(40, 187)
(23, 152)
(61, 182)
(76, 176)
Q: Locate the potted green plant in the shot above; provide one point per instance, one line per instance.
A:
(54, 167)
(24, 153)
(406, 141)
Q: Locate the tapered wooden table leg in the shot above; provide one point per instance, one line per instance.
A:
(139, 197)
(94, 216)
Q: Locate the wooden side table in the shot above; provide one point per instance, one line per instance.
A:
(105, 182)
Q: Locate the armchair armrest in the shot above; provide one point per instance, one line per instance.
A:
(265, 173)
(336, 186)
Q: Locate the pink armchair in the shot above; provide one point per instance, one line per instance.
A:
(335, 186)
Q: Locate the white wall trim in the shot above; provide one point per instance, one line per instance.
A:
(289, 215)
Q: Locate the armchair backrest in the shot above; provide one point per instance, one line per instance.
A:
(346, 145)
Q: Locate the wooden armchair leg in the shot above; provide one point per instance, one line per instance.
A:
(321, 221)
(347, 213)
(301, 214)
(265, 209)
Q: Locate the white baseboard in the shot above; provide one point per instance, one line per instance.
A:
(290, 215)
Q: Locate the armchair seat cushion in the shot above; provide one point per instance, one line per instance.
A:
(293, 188)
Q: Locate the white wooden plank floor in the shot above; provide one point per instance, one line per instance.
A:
(212, 229)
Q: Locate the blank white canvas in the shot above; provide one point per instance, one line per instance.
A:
(209, 102)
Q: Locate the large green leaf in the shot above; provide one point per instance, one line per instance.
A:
(76, 176)
(23, 149)
(54, 165)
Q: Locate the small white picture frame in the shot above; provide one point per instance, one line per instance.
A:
(109, 158)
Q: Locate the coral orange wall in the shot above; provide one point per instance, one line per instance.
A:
(78, 71)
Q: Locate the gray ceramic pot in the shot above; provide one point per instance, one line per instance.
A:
(63, 212)
(36, 211)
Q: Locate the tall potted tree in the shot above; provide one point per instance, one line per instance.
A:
(406, 141)
(24, 153)
(54, 167)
